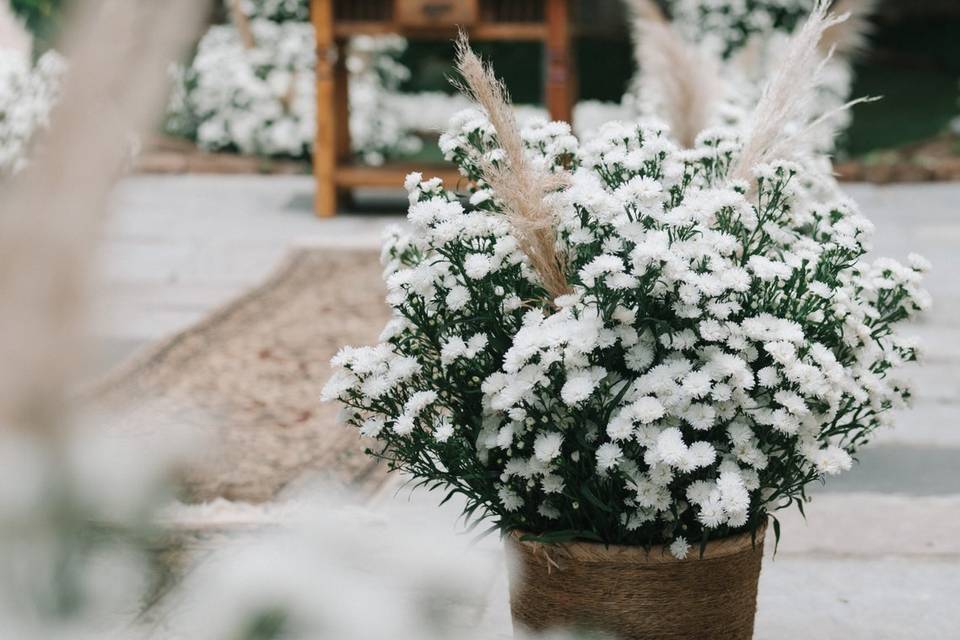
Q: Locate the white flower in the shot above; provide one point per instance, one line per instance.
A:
(647, 409)
(832, 460)
(768, 270)
(670, 448)
(457, 298)
(679, 548)
(768, 377)
(548, 511)
(701, 416)
(412, 181)
(608, 456)
(443, 431)
(339, 382)
(620, 428)
(477, 265)
(547, 446)
(418, 402)
(579, 386)
(372, 427)
(696, 384)
(918, 263)
(551, 483)
(733, 492)
(701, 454)
(793, 402)
(505, 435)
(403, 425)
(509, 499)
(782, 351)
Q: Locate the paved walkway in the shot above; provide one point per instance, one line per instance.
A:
(879, 556)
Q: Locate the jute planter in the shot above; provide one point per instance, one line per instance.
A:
(636, 594)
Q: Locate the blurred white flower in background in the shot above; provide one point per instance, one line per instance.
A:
(256, 100)
(261, 99)
(28, 91)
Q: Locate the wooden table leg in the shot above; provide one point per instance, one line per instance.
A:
(560, 69)
(325, 143)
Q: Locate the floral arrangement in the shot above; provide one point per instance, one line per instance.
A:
(27, 95)
(625, 341)
(378, 129)
(277, 10)
(730, 50)
(251, 89)
(253, 99)
(727, 26)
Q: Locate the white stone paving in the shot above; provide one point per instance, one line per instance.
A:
(878, 557)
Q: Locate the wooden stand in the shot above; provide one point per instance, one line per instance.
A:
(335, 21)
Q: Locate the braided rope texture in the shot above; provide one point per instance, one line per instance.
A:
(637, 594)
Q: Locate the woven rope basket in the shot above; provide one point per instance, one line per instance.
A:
(636, 594)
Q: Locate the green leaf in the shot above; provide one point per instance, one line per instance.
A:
(776, 534)
(594, 500)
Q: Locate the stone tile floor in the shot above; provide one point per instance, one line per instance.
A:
(878, 556)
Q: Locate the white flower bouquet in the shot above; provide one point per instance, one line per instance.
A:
(256, 99)
(626, 342)
(254, 91)
(277, 10)
(711, 60)
(727, 26)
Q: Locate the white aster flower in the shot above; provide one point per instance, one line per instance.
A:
(679, 548)
(608, 456)
(547, 446)
(477, 265)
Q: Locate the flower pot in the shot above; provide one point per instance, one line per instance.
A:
(633, 593)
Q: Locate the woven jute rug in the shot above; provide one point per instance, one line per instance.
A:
(246, 382)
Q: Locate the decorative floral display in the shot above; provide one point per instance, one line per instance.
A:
(277, 10)
(27, 95)
(677, 350)
(261, 100)
(377, 128)
(252, 99)
(260, 97)
(729, 50)
(727, 26)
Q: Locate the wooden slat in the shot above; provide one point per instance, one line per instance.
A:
(325, 143)
(560, 75)
(509, 31)
(392, 175)
(335, 176)
(428, 13)
(482, 31)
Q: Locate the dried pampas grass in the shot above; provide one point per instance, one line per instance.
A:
(645, 10)
(687, 81)
(787, 96)
(520, 187)
(850, 38)
(241, 21)
(52, 212)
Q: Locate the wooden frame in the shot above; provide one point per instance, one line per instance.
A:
(335, 173)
